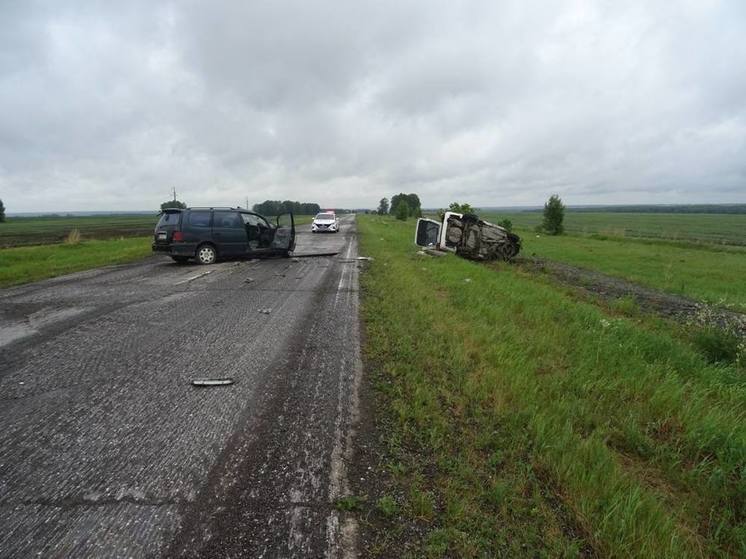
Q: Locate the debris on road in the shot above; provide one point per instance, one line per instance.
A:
(367, 258)
(468, 236)
(212, 381)
(248, 280)
(265, 311)
(431, 252)
(314, 255)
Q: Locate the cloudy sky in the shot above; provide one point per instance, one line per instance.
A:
(108, 105)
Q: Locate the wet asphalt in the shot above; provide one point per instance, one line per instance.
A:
(106, 448)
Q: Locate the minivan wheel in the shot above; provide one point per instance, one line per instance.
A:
(206, 254)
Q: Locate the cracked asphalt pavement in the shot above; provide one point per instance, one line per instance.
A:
(106, 448)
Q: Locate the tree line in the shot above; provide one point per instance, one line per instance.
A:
(276, 207)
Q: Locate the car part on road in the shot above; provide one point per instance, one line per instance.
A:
(212, 381)
(265, 311)
(468, 236)
(315, 254)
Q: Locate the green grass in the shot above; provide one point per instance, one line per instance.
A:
(521, 422)
(729, 229)
(715, 276)
(25, 264)
(24, 231)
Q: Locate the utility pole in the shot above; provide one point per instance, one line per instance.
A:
(174, 189)
(247, 202)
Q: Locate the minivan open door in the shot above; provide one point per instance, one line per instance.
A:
(427, 233)
(284, 237)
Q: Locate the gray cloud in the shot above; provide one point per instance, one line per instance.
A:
(108, 105)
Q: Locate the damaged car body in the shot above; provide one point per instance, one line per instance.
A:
(207, 234)
(468, 236)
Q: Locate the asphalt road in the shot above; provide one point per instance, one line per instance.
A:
(106, 448)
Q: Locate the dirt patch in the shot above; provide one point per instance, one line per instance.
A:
(611, 289)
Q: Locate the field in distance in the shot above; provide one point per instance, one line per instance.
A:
(26, 231)
(727, 229)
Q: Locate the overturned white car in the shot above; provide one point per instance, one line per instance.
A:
(467, 236)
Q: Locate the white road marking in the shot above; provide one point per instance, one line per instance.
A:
(194, 277)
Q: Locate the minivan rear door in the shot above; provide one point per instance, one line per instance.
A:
(284, 237)
(427, 233)
(167, 224)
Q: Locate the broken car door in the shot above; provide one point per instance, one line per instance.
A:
(258, 232)
(427, 233)
(284, 237)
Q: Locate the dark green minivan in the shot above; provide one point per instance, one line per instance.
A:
(207, 234)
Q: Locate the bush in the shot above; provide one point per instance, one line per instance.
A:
(554, 214)
(506, 224)
(73, 237)
(402, 210)
(718, 345)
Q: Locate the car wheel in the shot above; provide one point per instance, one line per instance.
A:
(181, 259)
(206, 254)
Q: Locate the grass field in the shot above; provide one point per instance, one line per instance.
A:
(24, 231)
(24, 264)
(520, 421)
(705, 228)
(700, 272)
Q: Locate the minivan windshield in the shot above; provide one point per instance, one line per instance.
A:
(325, 216)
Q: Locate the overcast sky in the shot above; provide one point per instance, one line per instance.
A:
(108, 105)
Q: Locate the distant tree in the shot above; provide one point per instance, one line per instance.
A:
(173, 204)
(413, 204)
(401, 211)
(506, 224)
(383, 206)
(460, 208)
(554, 214)
(2, 212)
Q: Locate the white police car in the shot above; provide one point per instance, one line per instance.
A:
(325, 222)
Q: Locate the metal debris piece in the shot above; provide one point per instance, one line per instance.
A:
(248, 280)
(365, 258)
(315, 254)
(265, 311)
(212, 381)
(295, 259)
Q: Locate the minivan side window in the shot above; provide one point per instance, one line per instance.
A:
(199, 219)
(227, 219)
